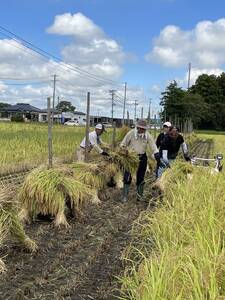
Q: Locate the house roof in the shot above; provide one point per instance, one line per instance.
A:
(21, 107)
(79, 113)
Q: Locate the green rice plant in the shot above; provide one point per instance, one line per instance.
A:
(181, 248)
(46, 191)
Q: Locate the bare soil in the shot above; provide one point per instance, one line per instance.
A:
(81, 262)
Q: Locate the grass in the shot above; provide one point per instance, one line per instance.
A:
(180, 252)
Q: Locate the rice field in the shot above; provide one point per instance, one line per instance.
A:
(28, 143)
(179, 250)
(176, 249)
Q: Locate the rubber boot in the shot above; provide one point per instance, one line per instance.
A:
(125, 192)
(140, 191)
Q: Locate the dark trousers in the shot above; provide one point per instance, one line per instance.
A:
(140, 176)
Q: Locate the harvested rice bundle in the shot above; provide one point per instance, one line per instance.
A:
(179, 171)
(47, 191)
(10, 224)
(125, 159)
(90, 174)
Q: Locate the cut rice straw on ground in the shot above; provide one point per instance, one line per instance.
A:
(10, 225)
(46, 191)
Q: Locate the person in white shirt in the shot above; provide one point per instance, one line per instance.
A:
(93, 143)
(138, 140)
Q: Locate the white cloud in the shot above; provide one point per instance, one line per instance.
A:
(76, 25)
(90, 50)
(204, 46)
(195, 73)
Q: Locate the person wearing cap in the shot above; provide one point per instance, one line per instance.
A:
(166, 127)
(159, 140)
(138, 140)
(94, 143)
(170, 147)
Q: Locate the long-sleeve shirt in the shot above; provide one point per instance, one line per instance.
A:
(170, 147)
(94, 142)
(160, 138)
(139, 142)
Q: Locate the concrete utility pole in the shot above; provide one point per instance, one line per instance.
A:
(87, 126)
(50, 154)
(142, 112)
(149, 111)
(112, 93)
(135, 110)
(53, 96)
(189, 75)
(124, 101)
(128, 118)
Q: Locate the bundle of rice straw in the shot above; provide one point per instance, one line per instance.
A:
(125, 159)
(178, 171)
(46, 191)
(10, 224)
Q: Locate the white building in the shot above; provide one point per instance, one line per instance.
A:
(63, 117)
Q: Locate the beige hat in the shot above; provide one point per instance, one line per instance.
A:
(142, 124)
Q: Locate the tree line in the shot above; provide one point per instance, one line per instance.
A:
(203, 102)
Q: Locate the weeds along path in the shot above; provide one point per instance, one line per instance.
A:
(79, 263)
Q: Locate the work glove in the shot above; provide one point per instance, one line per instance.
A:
(160, 162)
(104, 153)
(163, 164)
(187, 157)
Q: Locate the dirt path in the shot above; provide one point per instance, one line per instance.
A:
(80, 263)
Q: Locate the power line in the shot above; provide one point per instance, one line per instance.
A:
(50, 55)
(26, 83)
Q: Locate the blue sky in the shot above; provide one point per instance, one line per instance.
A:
(135, 26)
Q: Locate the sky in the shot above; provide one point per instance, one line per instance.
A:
(102, 44)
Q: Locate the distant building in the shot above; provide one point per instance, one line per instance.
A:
(63, 117)
(27, 111)
(101, 119)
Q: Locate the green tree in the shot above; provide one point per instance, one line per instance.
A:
(209, 88)
(3, 105)
(172, 101)
(195, 108)
(65, 106)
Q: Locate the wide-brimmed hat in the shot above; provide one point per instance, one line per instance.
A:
(142, 124)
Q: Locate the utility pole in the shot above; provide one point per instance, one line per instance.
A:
(50, 154)
(128, 118)
(53, 97)
(58, 108)
(135, 110)
(87, 126)
(142, 112)
(189, 75)
(124, 101)
(149, 111)
(112, 93)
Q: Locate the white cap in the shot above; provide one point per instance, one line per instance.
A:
(168, 124)
(100, 126)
